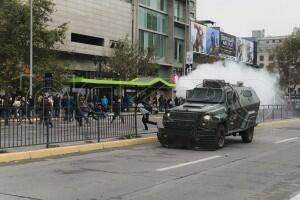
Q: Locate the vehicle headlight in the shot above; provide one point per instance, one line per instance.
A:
(168, 115)
(207, 117)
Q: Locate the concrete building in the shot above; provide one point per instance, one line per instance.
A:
(265, 50)
(94, 27)
(266, 47)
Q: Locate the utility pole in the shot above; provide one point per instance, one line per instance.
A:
(31, 53)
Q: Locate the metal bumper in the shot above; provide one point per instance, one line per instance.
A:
(183, 136)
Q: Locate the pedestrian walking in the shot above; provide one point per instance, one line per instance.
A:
(81, 111)
(46, 114)
(117, 110)
(126, 102)
(104, 103)
(146, 114)
(7, 103)
(56, 105)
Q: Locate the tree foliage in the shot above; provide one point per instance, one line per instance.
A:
(288, 55)
(129, 62)
(15, 41)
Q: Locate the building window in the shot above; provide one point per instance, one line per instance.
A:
(261, 58)
(155, 4)
(178, 50)
(152, 20)
(179, 32)
(192, 4)
(261, 65)
(179, 11)
(279, 41)
(271, 57)
(267, 41)
(85, 39)
(152, 41)
(274, 41)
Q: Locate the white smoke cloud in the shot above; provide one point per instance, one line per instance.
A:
(264, 83)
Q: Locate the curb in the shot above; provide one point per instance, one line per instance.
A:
(279, 122)
(44, 153)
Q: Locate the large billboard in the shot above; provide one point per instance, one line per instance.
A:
(227, 46)
(212, 41)
(198, 37)
(244, 51)
(204, 39)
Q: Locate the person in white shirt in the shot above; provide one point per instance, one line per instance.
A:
(146, 114)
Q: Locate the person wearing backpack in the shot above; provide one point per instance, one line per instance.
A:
(146, 114)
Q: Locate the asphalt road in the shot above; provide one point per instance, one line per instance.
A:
(267, 169)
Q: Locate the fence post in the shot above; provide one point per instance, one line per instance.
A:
(263, 117)
(273, 117)
(98, 129)
(135, 121)
(47, 132)
(281, 117)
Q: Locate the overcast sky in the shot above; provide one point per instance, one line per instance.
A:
(240, 17)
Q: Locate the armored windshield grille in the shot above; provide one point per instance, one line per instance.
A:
(183, 116)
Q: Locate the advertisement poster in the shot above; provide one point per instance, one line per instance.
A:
(212, 41)
(198, 37)
(228, 46)
(244, 51)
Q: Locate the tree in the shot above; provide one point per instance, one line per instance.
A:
(287, 61)
(128, 61)
(15, 41)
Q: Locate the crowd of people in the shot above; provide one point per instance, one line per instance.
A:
(76, 107)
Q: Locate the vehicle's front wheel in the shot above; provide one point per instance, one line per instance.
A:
(220, 139)
(247, 135)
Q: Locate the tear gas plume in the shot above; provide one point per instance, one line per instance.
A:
(264, 83)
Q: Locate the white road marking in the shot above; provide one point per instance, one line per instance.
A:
(297, 197)
(187, 163)
(287, 140)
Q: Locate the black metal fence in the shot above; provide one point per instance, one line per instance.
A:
(30, 127)
(20, 130)
(277, 112)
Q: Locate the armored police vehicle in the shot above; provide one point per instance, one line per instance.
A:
(212, 111)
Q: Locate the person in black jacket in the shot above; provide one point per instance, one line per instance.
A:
(117, 110)
(7, 103)
(46, 115)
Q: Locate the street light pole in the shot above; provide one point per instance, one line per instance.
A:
(30, 78)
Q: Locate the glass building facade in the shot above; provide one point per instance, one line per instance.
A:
(153, 20)
(163, 27)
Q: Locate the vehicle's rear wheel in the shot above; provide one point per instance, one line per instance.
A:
(247, 135)
(220, 139)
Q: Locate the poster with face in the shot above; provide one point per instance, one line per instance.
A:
(244, 51)
(227, 46)
(212, 41)
(198, 37)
